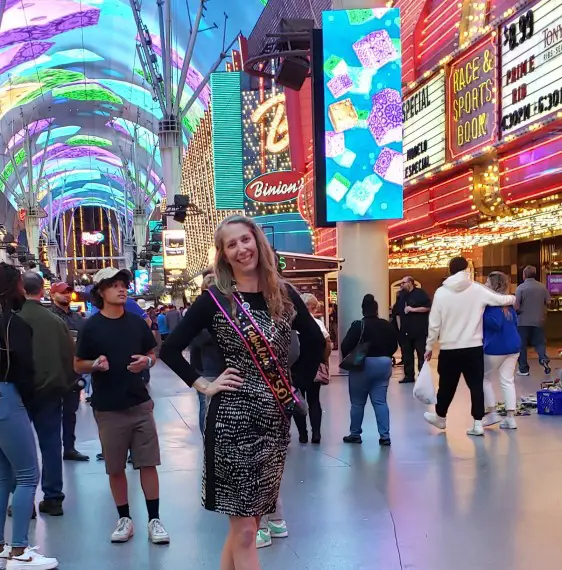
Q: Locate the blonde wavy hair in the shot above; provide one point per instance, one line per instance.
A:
(498, 282)
(271, 284)
(310, 301)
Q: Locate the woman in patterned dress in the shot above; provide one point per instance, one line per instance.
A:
(246, 433)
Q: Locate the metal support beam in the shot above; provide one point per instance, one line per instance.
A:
(148, 54)
(165, 56)
(223, 55)
(189, 55)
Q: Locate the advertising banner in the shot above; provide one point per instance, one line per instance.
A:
(471, 100)
(362, 77)
(424, 128)
(175, 255)
(531, 48)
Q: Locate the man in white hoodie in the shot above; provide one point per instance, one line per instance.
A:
(456, 321)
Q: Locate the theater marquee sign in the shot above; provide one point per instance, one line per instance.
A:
(531, 48)
(424, 128)
(471, 100)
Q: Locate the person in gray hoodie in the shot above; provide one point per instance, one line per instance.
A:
(456, 321)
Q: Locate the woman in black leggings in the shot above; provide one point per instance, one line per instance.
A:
(311, 389)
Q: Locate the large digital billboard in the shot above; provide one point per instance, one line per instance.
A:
(362, 77)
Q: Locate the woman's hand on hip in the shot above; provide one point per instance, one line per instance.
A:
(228, 381)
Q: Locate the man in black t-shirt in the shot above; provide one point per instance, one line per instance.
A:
(116, 347)
(413, 312)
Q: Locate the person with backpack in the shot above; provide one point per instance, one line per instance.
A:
(372, 380)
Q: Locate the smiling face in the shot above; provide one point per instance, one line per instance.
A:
(240, 249)
(115, 293)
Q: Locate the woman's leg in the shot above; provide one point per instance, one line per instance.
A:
(491, 365)
(507, 381)
(19, 464)
(242, 537)
(314, 410)
(380, 371)
(227, 561)
(300, 421)
(6, 486)
(359, 387)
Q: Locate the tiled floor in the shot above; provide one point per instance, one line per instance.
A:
(434, 501)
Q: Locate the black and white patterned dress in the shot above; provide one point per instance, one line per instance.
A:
(246, 434)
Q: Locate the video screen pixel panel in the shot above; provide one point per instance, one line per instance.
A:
(362, 72)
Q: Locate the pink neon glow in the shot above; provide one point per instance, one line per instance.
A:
(63, 15)
(60, 151)
(194, 77)
(22, 53)
(34, 128)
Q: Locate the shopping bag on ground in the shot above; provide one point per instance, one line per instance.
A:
(424, 390)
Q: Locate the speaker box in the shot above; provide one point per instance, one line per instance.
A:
(292, 72)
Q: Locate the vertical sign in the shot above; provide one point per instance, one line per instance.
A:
(424, 128)
(362, 77)
(471, 94)
(531, 47)
(175, 255)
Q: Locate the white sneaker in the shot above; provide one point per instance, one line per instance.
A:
(477, 429)
(4, 555)
(278, 529)
(263, 538)
(157, 533)
(435, 420)
(31, 559)
(491, 419)
(124, 530)
(508, 423)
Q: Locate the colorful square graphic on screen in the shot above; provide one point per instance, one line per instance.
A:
(363, 114)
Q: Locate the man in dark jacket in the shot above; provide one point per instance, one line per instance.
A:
(61, 297)
(413, 312)
(53, 354)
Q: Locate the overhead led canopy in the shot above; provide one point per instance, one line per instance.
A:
(72, 71)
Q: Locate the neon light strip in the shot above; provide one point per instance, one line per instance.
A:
(511, 170)
(430, 201)
(432, 16)
(443, 23)
(531, 196)
(520, 152)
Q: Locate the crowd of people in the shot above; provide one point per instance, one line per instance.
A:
(258, 354)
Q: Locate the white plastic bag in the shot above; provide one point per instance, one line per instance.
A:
(424, 390)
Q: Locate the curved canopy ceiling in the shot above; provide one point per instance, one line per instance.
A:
(71, 78)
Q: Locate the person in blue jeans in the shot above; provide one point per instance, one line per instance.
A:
(372, 381)
(19, 471)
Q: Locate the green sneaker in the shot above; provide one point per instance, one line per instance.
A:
(278, 529)
(263, 538)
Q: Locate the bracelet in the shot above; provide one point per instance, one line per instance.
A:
(149, 363)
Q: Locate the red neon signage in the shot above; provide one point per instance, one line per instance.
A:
(274, 187)
(472, 100)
